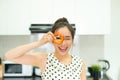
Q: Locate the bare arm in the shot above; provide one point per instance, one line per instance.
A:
(21, 54)
(21, 50)
(83, 74)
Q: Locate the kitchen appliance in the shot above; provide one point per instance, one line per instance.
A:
(37, 31)
(12, 69)
(105, 65)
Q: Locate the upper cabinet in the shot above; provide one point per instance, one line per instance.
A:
(14, 17)
(92, 16)
(64, 8)
(41, 11)
(89, 16)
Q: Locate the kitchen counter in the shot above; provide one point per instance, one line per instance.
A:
(22, 78)
(32, 78)
(28, 78)
(36, 78)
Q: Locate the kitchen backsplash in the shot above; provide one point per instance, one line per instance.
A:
(8, 42)
(90, 47)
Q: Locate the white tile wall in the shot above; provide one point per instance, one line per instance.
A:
(10, 41)
(89, 47)
(92, 48)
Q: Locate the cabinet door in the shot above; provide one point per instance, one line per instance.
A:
(14, 17)
(92, 16)
(64, 8)
(41, 11)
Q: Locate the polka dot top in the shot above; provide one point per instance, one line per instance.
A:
(55, 70)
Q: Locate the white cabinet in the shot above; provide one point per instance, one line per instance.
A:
(14, 17)
(47, 11)
(92, 16)
(64, 8)
(41, 11)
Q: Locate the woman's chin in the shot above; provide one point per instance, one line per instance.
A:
(63, 52)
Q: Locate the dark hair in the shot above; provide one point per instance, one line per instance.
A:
(63, 22)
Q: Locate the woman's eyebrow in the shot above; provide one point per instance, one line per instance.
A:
(67, 36)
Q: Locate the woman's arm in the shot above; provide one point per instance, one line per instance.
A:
(83, 74)
(21, 54)
(20, 50)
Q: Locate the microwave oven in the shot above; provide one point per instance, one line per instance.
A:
(12, 69)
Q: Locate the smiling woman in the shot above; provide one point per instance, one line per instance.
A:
(58, 65)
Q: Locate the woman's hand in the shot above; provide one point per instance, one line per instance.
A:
(48, 37)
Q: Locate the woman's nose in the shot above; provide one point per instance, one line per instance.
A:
(64, 42)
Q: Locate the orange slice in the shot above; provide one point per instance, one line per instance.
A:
(58, 38)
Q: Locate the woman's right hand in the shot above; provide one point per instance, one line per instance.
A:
(48, 37)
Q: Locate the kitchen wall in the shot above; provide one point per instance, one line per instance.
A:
(92, 45)
(10, 41)
(112, 41)
(92, 48)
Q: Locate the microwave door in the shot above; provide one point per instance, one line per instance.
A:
(13, 68)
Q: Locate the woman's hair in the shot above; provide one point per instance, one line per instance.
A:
(63, 22)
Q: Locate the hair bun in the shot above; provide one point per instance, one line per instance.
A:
(61, 20)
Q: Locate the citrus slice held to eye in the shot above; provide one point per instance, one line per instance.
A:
(58, 38)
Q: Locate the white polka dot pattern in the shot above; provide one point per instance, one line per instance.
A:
(58, 71)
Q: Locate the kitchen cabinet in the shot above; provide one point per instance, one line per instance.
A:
(17, 16)
(48, 11)
(14, 17)
(64, 8)
(41, 11)
(90, 16)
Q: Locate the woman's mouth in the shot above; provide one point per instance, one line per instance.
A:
(63, 49)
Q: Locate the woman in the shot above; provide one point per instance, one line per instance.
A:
(59, 65)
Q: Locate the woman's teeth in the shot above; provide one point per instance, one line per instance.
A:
(62, 49)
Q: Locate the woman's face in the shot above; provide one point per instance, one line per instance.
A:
(63, 48)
